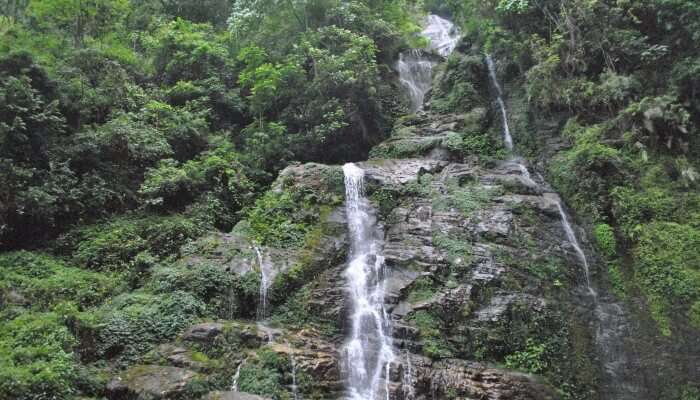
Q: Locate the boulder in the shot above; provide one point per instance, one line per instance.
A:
(232, 396)
(150, 382)
(204, 332)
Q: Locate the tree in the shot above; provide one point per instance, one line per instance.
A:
(80, 17)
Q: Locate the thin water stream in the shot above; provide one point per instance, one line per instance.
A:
(612, 326)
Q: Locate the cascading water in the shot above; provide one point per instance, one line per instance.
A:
(415, 74)
(442, 34)
(266, 276)
(368, 353)
(295, 387)
(612, 325)
(415, 67)
(507, 138)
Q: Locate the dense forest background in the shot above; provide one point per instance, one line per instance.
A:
(130, 127)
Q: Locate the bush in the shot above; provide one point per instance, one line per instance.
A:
(130, 326)
(115, 245)
(277, 220)
(209, 283)
(531, 359)
(605, 239)
(667, 267)
(35, 358)
(46, 281)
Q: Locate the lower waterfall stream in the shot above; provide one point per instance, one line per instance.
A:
(369, 352)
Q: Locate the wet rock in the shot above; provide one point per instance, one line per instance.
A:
(204, 332)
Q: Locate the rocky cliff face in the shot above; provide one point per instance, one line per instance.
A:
(484, 291)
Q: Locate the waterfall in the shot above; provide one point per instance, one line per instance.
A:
(295, 387)
(442, 34)
(501, 105)
(571, 237)
(409, 391)
(612, 325)
(416, 68)
(415, 74)
(234, 382)
(266, 276)
(368, 351)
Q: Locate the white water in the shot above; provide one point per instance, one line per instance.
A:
(266, 277)
(442, 34)
(416, 68)
(368, 352)
(415, 74)
(234, 383)
(571, 237)
(295, 387)
(507, 138)
(409, 391)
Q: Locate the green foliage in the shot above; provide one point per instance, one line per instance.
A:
(461, 86)
(480, 144)
(667, 268)
(466, 198)
(586, 173)
(422, 289)
(531, 359)
(617, 280)
(116, 245)
(132, 323)
(605, 239)
(35, 357)
(45, 281)
(211, 284)
(262, 376)
(275, 220)
(434, 343)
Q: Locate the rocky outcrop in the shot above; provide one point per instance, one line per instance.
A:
(232, 396)
(150, 382)
(204, 332)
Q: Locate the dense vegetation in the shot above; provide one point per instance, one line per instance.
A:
(130, 129)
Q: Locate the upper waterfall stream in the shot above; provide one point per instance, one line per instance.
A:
(415, 67)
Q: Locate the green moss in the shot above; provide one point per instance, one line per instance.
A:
(617, 280)
(458, 251)
(667, 260)
(694, 315)
(605, 239)
(465, 198)
(422, 289)
(432, 338)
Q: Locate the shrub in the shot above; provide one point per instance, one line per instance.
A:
(276, 220)
(134, 322)
(35, 358)
(667, 262)
(46, 281)
(605, 239)
(115, 245)
(531, 359)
